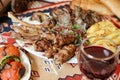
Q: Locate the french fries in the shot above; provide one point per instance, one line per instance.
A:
(105, 29)
(102, 28)
(115, 37)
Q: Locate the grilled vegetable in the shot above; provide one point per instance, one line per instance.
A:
(14, 71)
(8, 58)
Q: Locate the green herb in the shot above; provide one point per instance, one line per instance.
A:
(75, 26)
(78, 39)
(6, 59)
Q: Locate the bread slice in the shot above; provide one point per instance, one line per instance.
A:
(113, 5)
(94, 5)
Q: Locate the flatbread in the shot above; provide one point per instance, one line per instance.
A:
(94, 5)
(113, 5)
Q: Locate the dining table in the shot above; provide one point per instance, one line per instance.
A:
(45, 69)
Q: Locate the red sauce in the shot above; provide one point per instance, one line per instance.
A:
(95, 68)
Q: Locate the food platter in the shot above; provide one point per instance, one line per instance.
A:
(25, 61)
(29, 19)
(31, 49)
(26, 18)
(49, 35)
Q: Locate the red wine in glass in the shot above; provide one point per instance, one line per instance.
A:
(93, 68)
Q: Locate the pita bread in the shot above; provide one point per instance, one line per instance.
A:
(94, 5)
(113, 5)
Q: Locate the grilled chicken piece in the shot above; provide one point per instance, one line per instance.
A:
(26, 30)
(26, 34)
(44, 19)
(14, 72)
(78, 12)
(62, 16)
(64, 54)
(85, 18)
(49, 35)
(41, 17)
(42, 44)
(58, 38)
(51, 51)
(92, 17)
(63, 39)
(12, 16)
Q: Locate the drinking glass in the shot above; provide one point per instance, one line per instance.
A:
(97, 57)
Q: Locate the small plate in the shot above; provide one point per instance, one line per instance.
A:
(25, 61)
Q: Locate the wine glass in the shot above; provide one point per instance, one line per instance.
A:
(97, 58)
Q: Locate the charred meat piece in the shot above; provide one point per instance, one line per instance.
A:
(42, 44)
(46, 23)
(49, 35)
(79, 15)
(26, 31)
(62, 39)
(81, 24)
(63, 16)
(14, 71)
(85, 18)
(44, 19)
(64, 54)
(61, 29)
(78, 12)
(41, 17)
(26, 38)
(51, 51)
(91, 17)
(31, 30)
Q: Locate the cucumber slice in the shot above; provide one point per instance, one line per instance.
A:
(4, 60)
